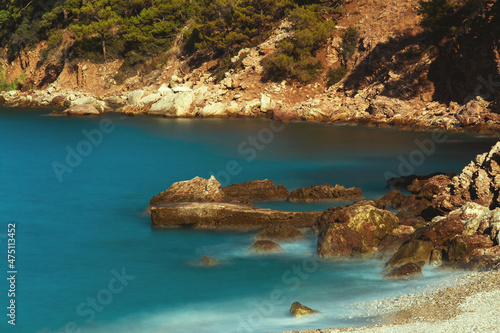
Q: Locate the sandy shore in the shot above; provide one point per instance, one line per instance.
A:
(469, 303)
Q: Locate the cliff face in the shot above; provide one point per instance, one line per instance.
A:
(395, 78)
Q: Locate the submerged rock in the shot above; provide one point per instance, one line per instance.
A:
(207, 261)
(265, 246)
(325, 193)
(282, 231)
(407, 271)
(299, 310)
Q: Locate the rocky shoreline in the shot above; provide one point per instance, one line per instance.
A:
(448, 221)
(185, 102)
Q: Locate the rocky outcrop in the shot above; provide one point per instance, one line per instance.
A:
(280, 232)
(195, 190)
(299, 310)
(407, 271)
(478, 182)
(256, 190)
(371, 222)
(469, 231)
(225, 216)
(265, 246)
(325, 193)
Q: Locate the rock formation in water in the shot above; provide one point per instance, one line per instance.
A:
(299, 310)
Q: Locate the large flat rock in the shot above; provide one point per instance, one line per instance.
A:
(225, 216)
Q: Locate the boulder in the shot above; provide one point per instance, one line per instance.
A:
(372, 223)
(265, 246)
(407, 271)
(149, 99)
(265, 104)
(471, 215)
(414, 251)
(134, 97)
(99, 105)
(280, 232)
(299, 310)
(478, 182)
(195, 190)
(164, 90)
(207, 261)
(430, 187)
(443, 231)
(325, 193)
(256, 190)
(415, 222)
(214, 110)
(225, 216)
(177, 105)
(463, 246)
(412, 206)
(82, 110)
(338, 240)
(393, 198)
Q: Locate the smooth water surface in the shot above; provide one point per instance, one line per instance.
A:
(89, 261)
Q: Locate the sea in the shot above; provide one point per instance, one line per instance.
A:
(74, 197)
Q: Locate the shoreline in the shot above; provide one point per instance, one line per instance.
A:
(57, 112)
(470, 302)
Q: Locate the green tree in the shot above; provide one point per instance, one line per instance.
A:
(98, 19)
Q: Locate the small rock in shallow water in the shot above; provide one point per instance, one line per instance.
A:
(207, 261)
(265, 246)
(406, 272)
(299, 310)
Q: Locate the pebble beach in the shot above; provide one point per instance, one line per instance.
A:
(468, 303)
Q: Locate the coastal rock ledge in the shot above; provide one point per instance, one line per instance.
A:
(225, 216)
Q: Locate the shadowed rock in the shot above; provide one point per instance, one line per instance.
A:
(256, 190)
(413, 251)
(325, 193)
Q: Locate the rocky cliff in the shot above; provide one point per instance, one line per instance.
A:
(395, 78)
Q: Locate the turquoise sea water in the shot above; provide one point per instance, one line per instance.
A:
(89, 261)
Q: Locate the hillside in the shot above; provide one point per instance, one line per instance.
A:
(399, 63)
